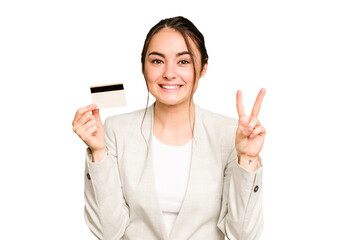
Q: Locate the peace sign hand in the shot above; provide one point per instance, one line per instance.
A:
(250, 133)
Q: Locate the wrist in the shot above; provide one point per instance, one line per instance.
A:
(250, 163)
(98, 155)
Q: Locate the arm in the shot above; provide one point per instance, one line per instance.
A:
(241, 216)
(106, 212)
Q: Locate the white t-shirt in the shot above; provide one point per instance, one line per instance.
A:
(171, 171)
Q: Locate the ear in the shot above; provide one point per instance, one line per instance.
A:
(204, 70)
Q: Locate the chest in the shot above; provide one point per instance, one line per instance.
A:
(205, 176)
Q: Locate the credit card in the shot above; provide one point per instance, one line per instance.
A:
(110, 95)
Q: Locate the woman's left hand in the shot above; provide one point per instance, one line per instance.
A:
(250, 133)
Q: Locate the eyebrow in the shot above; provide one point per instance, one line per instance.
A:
(183, 53)
(156, 53)
(162, 55)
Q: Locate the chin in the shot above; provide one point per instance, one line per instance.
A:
(172, 102)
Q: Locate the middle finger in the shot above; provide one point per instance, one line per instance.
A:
(258, 103)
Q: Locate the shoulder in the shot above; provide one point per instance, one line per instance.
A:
(218, 130)
(124, 117)
(125, 121)
(218, 124)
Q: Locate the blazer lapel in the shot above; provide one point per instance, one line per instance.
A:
(187, 210)
(146, 183)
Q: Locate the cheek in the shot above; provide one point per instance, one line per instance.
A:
(148, 80)
(151, 75)
(187, 75)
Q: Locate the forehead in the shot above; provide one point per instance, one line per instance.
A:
(169, 40)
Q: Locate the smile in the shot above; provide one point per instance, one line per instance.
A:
(170, 86)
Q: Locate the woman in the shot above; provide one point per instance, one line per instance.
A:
(173, 170)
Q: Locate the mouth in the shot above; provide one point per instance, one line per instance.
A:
(170, 87)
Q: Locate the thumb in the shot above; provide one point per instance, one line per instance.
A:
(96, 114)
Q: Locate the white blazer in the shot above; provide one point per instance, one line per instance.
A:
(222, 198)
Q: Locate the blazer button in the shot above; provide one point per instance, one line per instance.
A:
(88, 176)
(256, 188)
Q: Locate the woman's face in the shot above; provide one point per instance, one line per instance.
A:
(168, 67)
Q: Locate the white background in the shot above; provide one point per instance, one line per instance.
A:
(306, 54)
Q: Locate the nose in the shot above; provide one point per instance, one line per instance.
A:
(169, 72)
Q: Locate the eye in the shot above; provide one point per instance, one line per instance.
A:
(157, 61)
(183, 62)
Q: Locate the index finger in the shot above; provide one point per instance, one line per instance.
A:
(240, 108)
(83, 110)
(258, 103)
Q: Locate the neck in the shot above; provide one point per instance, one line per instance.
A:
(174, 116)
(173, 124)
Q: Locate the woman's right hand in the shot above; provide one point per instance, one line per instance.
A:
(90, 129)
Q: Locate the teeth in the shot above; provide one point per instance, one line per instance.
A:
(170, 87)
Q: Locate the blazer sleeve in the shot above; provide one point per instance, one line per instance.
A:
(106, 211)
(241, 216)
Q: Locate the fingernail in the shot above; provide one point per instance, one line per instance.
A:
(249, 129)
